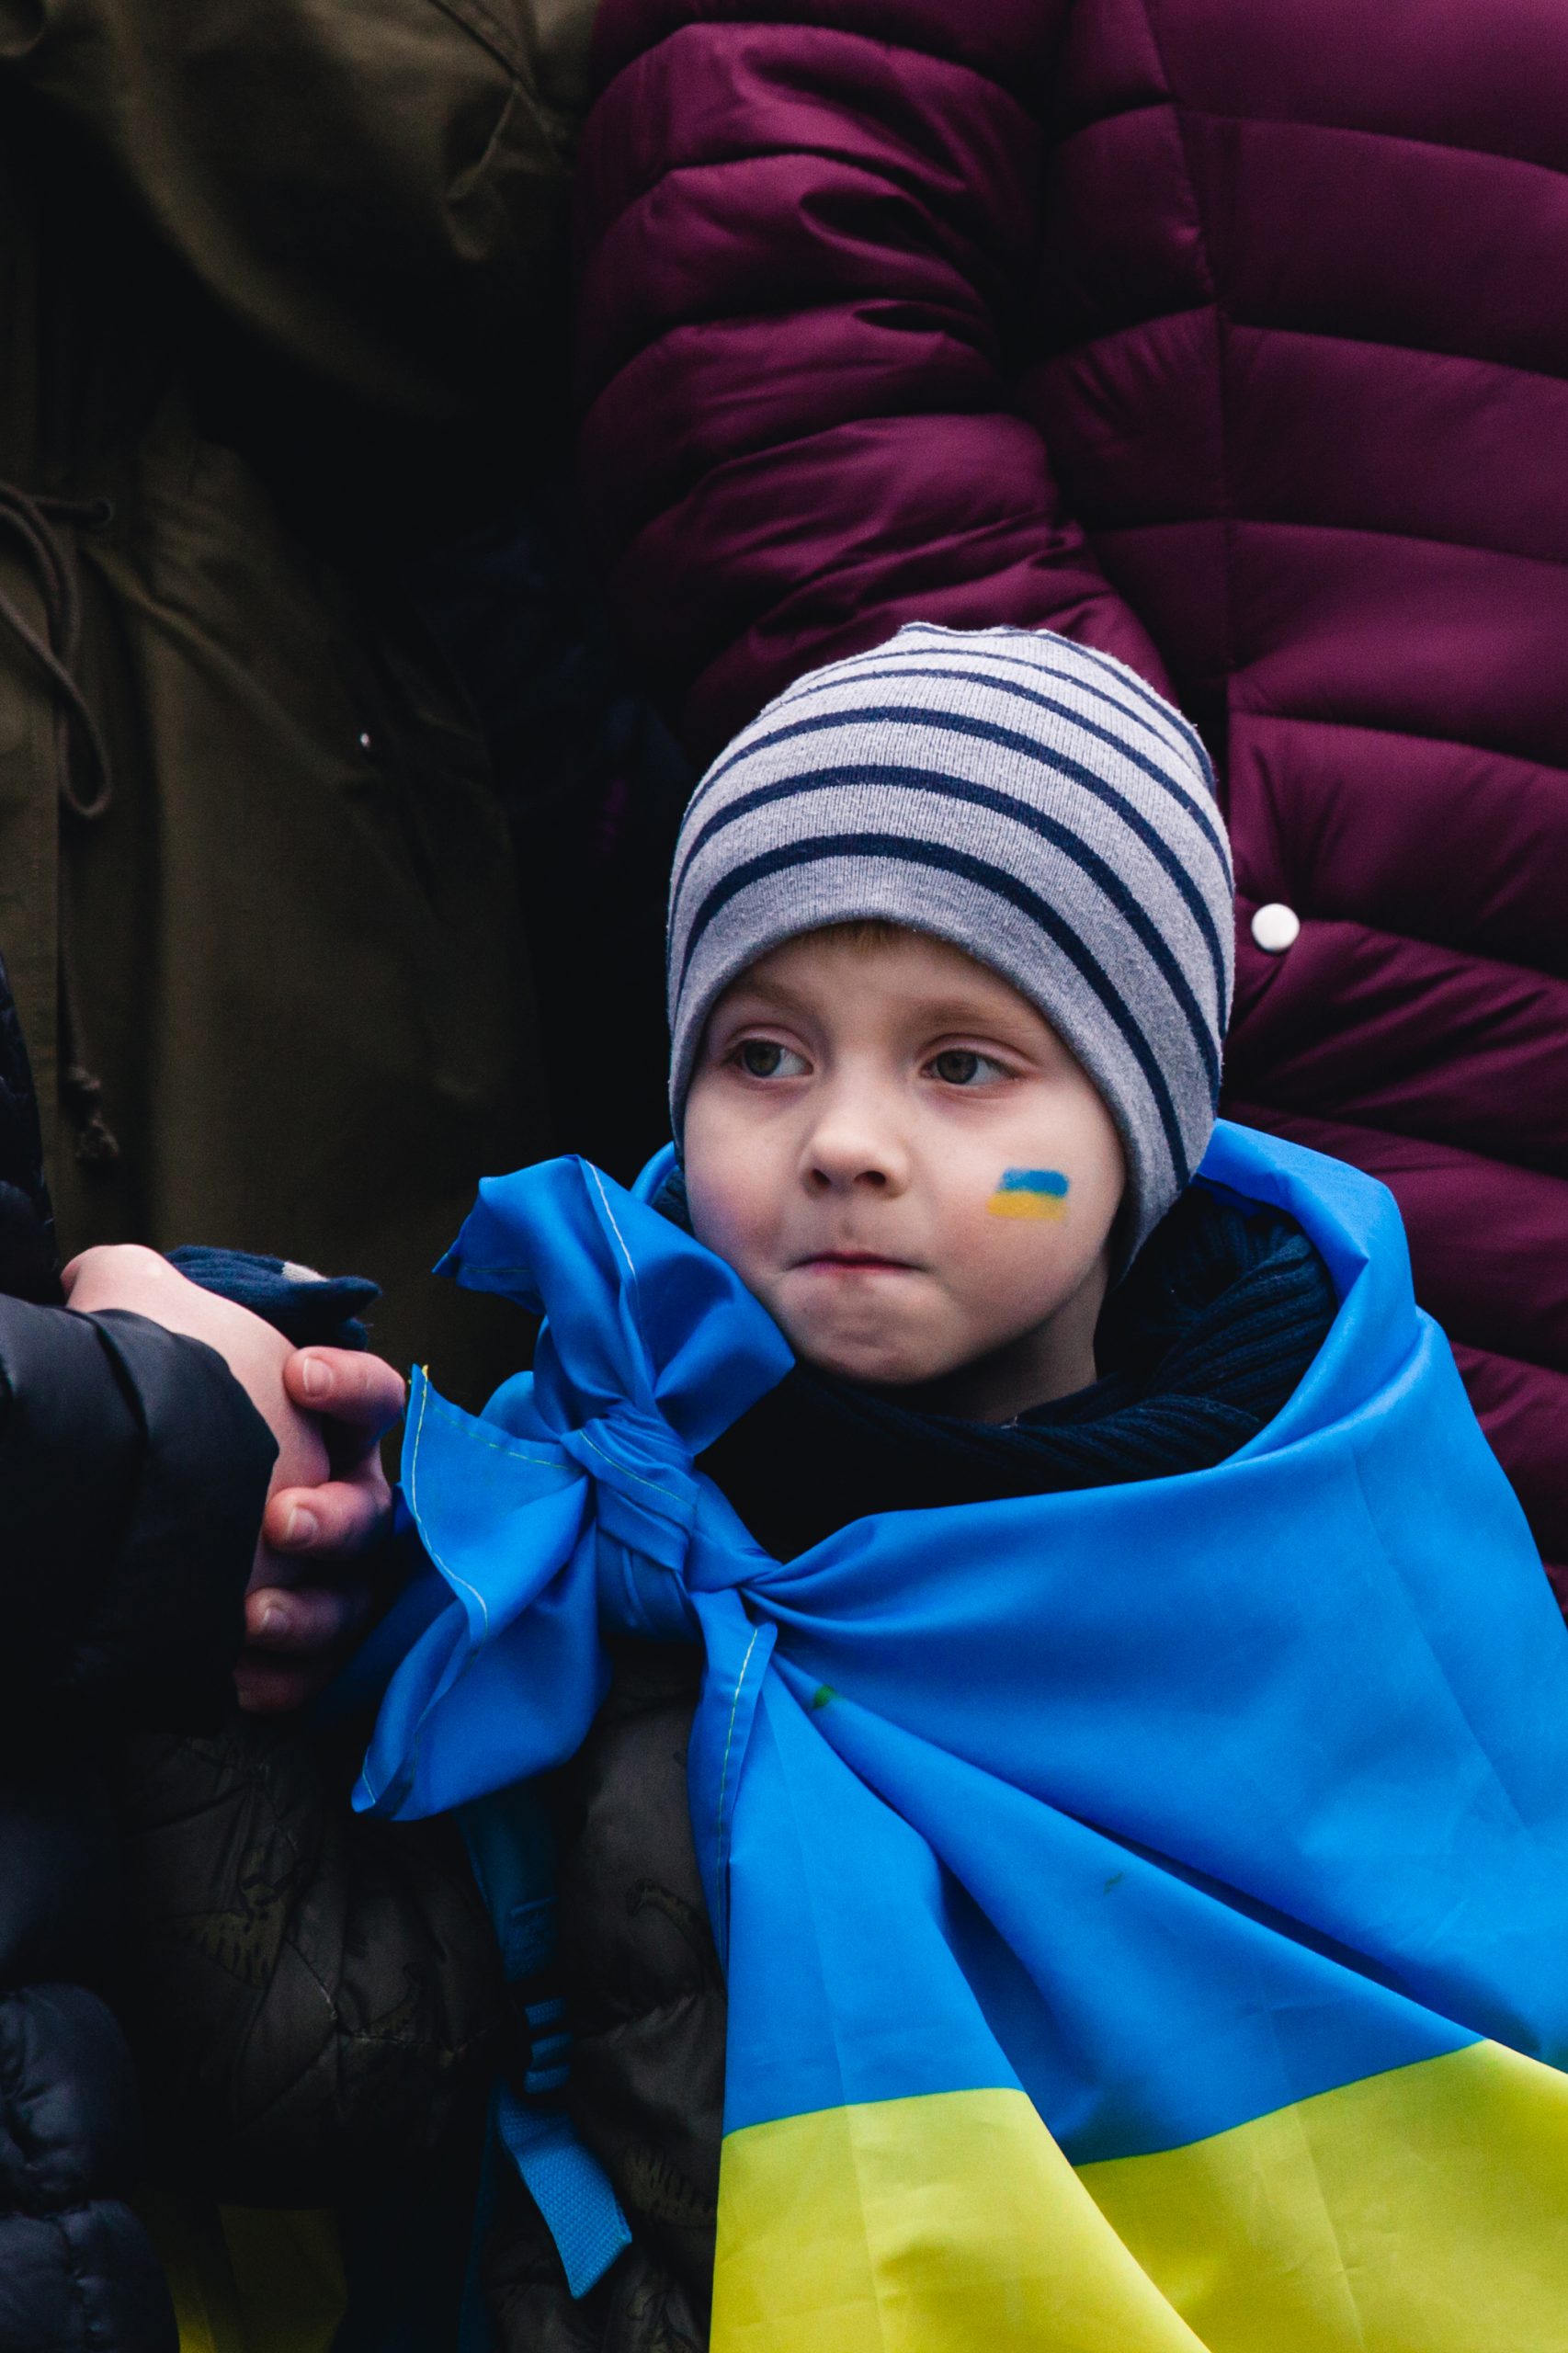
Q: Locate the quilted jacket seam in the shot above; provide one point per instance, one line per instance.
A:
(1454, 952)
(61, 2214)
(1083, 125)
(948, 318)
(1405, 734)
(1460, 958)
(1254, 1099)
(1505, 1355)
(735, 462)
(1371, 1111)
(1352, 530)
(897, 406)
(1379, 134)
(1111, 335)
(879, 173)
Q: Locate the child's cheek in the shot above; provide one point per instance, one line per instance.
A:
(1022, 1233)
(1005, 1238)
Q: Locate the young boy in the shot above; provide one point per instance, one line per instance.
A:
(1115, 1882)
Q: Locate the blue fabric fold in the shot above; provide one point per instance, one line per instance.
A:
(572, 1507)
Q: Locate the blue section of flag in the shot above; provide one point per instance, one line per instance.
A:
(1138, 2009)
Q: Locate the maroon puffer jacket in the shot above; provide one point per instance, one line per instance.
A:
(1233, 339)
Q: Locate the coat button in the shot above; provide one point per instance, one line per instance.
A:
(1276, 928)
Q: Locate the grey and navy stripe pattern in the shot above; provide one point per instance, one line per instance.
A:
(1032, 802)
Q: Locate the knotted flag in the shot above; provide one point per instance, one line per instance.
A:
(1144, 1910)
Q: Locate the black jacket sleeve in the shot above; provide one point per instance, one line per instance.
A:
(133, 1472)
(314, 1999)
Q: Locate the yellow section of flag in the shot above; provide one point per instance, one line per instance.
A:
(947, 2223)
(1422, 2210)
(248, 2280)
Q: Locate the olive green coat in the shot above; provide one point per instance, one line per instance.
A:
(279, 284)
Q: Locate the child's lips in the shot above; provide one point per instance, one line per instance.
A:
(854, 1262)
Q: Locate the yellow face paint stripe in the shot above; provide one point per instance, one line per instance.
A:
(1423, 2210)
(1030, 1205)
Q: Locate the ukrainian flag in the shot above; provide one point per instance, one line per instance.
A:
(1144, 1911)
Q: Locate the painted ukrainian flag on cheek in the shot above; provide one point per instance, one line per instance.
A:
(1144, 1910)
(1030, 1192)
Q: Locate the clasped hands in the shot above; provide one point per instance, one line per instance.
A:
(328, 1500)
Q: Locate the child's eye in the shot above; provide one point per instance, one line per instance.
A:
(961, 1066)
(765, 1058)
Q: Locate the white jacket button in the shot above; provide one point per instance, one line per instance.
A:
(1276, 928)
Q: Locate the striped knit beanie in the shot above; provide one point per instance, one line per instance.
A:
(1033, 802)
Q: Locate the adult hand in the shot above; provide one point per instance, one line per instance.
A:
(143, 1282)
(328, 1500)
(307, 1601)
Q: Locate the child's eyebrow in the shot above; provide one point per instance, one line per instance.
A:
(751, 997)
(924, 1013)
(958, 1013)
(998, 1018)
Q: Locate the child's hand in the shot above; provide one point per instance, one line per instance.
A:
(299, 1631)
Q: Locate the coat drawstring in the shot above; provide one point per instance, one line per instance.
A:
(31, 519)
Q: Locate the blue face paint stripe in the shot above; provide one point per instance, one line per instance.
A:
(1033, 1180)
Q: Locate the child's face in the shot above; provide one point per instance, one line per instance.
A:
(900, 1159)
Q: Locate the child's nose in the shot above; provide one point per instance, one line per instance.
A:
(830, 1179)
(848, 1149)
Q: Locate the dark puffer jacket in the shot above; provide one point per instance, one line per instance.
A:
(132, 1472)
(1233, 340)
(315, 2006)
